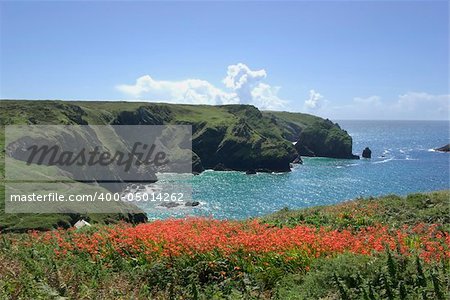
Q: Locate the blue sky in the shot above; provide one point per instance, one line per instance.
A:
(342, 60)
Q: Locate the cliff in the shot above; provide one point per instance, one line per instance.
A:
(314, 136)
(237, 137)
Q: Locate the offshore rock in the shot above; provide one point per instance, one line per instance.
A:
(367, 153)
(445, 148)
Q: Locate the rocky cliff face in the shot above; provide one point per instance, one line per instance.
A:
(313, 136)
(229, 137)
(238, 137)
(325, 139)
(243, 143)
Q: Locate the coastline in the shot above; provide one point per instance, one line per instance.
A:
(287, 253)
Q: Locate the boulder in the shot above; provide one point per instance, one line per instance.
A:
(134, 218)
(298, 160)
(367, 153)
(170, 204)
(192, 203)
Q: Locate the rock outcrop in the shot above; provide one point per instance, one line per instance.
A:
(325, 139)
(227, 137)
(232, 137)
(445, 148)
(298, 160)
(367, 153)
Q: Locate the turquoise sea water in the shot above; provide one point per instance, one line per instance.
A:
(401, 163)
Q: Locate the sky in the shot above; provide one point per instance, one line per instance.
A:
(340, 60)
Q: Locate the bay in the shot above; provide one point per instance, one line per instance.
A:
(402, 162)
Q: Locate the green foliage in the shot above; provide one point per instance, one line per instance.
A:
(291, 124)
(239, 136)
(35, 273)
(324, 138)
(358, 277)
(394, 210)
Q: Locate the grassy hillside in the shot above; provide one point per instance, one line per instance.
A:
(218, 131)
(47, 112)
(429, 208)
(238, 137)
(377, 248)
(314, 136)
(291, 124)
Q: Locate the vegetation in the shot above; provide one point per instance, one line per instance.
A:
(291, 124)
(238, 137)
(377, 248)
(396, 211)
(22, 222)
(387, 248)
(325, 139)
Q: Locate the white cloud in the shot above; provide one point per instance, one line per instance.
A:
(266, 97)
(192, 91)
(245, 86)
(424, 103)
(242, 81)
(314, 100)
(408, 106)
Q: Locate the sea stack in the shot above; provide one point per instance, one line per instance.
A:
(367, 153)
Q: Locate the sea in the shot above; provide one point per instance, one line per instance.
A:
(403, 161)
